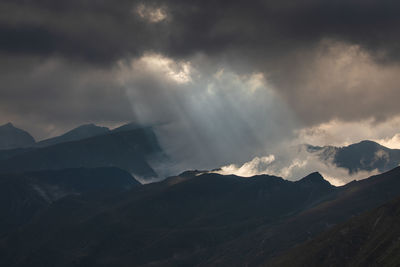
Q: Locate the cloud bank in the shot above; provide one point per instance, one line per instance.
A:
(293, 164)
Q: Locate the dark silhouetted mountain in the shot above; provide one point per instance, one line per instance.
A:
(9, 153)
(79, 133)
(11, 137)
(128, 150)
(160, 223)
(345, 202)
(24, 195)
(363, 156)
(370, 239)
(196, 218)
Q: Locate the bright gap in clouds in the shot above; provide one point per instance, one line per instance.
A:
(205, 119)
(151, 14)
(220, 118)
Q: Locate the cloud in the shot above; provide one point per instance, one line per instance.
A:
(340, 81)
(204, 119)
(391, 142)
(342, 133)
(50, 96)
(225, 81)
(256, 166)
(293, 163)
(151, 14)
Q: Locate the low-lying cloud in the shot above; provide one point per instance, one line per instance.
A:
(293, 164)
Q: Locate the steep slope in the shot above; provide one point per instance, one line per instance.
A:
(128, 150)
(79, 133)
(363, 156)
(11, 137)
(371, 239)
(182, 220)
(24, 195)
(270, 240)
(193, 219)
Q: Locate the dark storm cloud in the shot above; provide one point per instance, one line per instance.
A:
(54, 95)
(325, 59)
(108, 30)
(94, 31)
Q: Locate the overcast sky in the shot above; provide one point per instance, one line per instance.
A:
(225, 80)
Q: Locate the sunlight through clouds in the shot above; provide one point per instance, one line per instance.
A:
(151, 14)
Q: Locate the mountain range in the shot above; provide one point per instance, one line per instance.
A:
(75, 200)
(192, 219)
(128, 147)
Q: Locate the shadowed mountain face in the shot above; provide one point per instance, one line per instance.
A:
(185, 217)
(363, 156)
(79, 133)
(371, 239)
(11, 137)
(203, 219)
(128, 150)
(24, 195)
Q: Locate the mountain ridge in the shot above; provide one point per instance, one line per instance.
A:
(207, 219)
(365, 155)
(81, 132)
(127, 150)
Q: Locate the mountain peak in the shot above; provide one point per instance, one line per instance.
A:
(88, 129)
(78, 133)
(9, 124)
(313, 178)
(12, 137)
(366, 143)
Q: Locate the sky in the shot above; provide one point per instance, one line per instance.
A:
(223, 81)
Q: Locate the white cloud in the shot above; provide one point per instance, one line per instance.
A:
(156, 64)
(339, 133)
(391, 142)
(294, 163)
(151, 14)
(254, 167)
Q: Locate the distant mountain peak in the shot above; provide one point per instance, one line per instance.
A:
(88, 126)
(12, 137)
(81, 132)
(365, 155)
(313, 178)
(366, 143)
(8, 125)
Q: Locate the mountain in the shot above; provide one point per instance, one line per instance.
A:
(271, 240)
(195, 218)
(166, 223)
(79, 133)
(24, 195)
(12, 137)
(128, 150)
(370, 239)
(362, 156)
